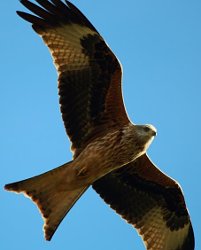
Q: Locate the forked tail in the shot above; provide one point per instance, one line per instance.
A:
(53, 203)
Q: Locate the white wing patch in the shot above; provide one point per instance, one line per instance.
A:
(65, 47)
(156, 234)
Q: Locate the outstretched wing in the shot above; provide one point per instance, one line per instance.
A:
(89, 73)
(152, 202)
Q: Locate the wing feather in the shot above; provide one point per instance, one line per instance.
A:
(152, 202)
(89, 73)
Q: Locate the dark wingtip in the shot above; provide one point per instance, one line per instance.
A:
(19, 13)
(26, 16)
(69, 3)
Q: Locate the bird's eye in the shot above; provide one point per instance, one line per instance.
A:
(146, 129)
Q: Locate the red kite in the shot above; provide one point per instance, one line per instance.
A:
(109, 151)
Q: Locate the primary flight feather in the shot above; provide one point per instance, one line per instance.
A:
(109, 152)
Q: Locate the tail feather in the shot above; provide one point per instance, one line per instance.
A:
(54, 203)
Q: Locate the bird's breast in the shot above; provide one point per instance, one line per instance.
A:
(106, 154)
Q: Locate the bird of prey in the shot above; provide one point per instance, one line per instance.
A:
(109, 151)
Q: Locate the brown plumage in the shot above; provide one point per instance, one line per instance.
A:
(109, 151)
(154, 204)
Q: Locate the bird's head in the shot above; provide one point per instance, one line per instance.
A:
(146, 134)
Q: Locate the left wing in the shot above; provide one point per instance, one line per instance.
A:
(152, 202)
(89, 74)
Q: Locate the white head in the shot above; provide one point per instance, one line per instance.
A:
(135, 141)
(146, 134)
(146, 129)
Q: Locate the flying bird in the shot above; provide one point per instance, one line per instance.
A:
(109, 151)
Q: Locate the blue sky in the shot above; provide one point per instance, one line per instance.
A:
(159, 45)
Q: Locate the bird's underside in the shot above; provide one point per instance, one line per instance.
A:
(109, 151)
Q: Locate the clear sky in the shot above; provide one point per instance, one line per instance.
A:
(159, 45)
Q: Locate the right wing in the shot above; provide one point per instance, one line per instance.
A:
(89, 73)
(152, 202)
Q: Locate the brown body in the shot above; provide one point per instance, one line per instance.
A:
(109, 152)
(56, 191)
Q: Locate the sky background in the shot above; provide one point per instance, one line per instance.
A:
(159, 45)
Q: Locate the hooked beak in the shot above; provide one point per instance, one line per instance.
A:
(154, 133)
